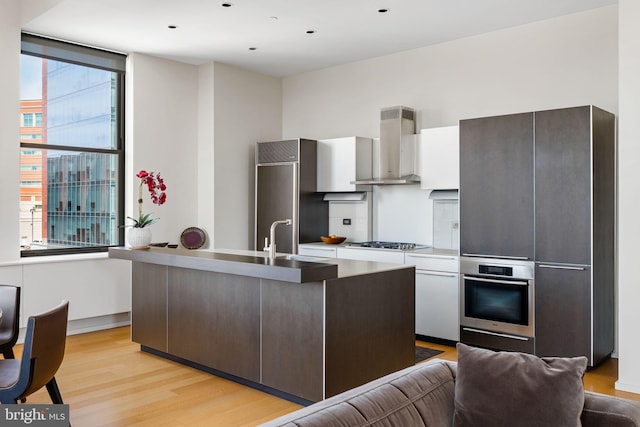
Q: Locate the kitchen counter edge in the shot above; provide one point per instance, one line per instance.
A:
(252, 263)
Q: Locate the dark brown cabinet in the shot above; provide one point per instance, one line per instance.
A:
(563, 310)
(304, 341)
(293, 338)
(563, 186)
(219, 320)
(540, 186)
(496, 186)
(149, 305)
(574, 232)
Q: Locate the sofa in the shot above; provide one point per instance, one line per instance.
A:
(431, 394)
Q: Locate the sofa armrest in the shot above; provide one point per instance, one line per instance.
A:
(418, 395)
(610, 411)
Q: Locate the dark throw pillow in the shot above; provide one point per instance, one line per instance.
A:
(516, 389)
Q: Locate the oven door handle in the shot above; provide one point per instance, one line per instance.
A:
(501, 282)
(495, 334)
(523, 258)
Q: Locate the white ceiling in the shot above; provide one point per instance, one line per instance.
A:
(345, 31)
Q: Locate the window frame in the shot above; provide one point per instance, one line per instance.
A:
(76, 54)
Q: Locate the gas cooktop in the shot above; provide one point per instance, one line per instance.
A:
(388, 245)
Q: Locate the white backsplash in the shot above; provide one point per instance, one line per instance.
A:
(358, 213)
(402, 213)
(399, 213)
(446, 226)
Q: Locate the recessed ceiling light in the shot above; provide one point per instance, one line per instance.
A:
(226, 4)
(383, 10)
(311, 31)
(253, 48)
(172, 27)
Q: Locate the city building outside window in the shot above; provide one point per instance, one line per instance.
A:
(71, 148)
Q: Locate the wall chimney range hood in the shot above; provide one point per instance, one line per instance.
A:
(394, 154)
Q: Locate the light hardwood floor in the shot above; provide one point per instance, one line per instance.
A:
(108, 381)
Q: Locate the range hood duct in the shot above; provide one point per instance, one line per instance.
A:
(394, 154)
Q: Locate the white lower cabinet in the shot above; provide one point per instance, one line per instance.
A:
(317, 251)
(378, 255)
(437, 313)
(437, 293)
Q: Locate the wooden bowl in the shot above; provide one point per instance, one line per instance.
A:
(333, 240)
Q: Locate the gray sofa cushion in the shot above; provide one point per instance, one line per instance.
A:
(610, 411)
(433, 402)
(496, 388)
(416, 396)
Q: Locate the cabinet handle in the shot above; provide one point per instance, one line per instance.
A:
(452, 258)
(434, 273)
(524, 258)
(561, 267)
(479, 331)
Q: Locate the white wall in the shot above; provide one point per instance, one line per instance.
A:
(248, 109)
(562, 62)
(237, 108)
(402, 213)
(629, 197)
(9, 130)
(566, 61)
(162, 136)
(206, 141)
(93, 287)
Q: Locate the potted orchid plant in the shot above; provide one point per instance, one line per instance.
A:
(139, 236)
(156, 186)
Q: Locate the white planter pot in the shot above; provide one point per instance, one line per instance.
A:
(138, 238)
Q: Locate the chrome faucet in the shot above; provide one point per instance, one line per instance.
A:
(271, 246)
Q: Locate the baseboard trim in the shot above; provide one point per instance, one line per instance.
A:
(91, 324)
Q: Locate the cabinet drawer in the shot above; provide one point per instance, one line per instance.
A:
(321, 252)
(432, 262)
(377, 255)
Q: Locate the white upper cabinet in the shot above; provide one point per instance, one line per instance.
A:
(439, 158)
(343, 160)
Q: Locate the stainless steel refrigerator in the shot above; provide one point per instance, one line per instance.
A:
(285, 188)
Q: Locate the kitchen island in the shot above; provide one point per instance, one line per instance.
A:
(302, 330)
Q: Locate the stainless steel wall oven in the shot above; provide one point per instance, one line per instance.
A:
(497, 302)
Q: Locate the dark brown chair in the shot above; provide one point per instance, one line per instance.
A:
(42, 355)
(9, 326)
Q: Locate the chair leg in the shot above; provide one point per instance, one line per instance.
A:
(8, 354)
(54, 392)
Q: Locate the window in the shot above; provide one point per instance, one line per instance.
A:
(27, 120)
(72, 158)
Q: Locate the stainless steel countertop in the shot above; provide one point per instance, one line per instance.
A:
(426, 251)
(253, 263)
